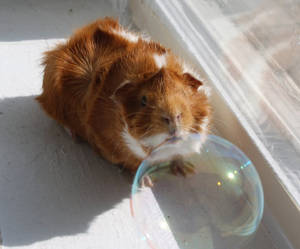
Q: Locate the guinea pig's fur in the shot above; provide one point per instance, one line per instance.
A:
(123, 93)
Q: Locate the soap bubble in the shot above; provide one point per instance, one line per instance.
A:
(200, 192)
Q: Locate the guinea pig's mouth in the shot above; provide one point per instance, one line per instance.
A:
(155, 141)
(174, 139)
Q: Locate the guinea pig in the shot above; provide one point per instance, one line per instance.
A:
(121, 92)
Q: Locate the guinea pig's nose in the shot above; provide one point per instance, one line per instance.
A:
(173, 131)
(178, 117)
(172, 123)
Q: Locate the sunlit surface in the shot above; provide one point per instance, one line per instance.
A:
(218, 205)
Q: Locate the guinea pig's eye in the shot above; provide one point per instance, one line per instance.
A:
(144, 101)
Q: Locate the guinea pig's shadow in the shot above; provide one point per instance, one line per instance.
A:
(49, 185)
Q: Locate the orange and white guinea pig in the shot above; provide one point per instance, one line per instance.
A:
(122, 93)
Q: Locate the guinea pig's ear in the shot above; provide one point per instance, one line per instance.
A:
(103, 34)
(102, 37)
(122, 91)
(192, 81)
(196, 84)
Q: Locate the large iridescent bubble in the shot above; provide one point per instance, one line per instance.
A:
(200, 192)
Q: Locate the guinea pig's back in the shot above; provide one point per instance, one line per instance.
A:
(66, 78)
(69, 70)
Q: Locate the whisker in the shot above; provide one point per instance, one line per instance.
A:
(219, 121)
(148, 130)
(135, 113)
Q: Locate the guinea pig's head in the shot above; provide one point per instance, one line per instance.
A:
(165, 104)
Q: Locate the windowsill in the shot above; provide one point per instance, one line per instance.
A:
(255, 125)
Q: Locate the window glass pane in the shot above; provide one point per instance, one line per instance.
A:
(251, 51)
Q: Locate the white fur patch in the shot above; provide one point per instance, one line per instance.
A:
(204, 124)
(155, 140)
(160, 60)
(131, 37)
(133, 145)
(181, 148)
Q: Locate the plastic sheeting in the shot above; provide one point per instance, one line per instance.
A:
(250, 51)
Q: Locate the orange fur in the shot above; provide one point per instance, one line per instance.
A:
(99, 84)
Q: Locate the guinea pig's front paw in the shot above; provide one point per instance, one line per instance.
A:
(180, 167)
(147, 182)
